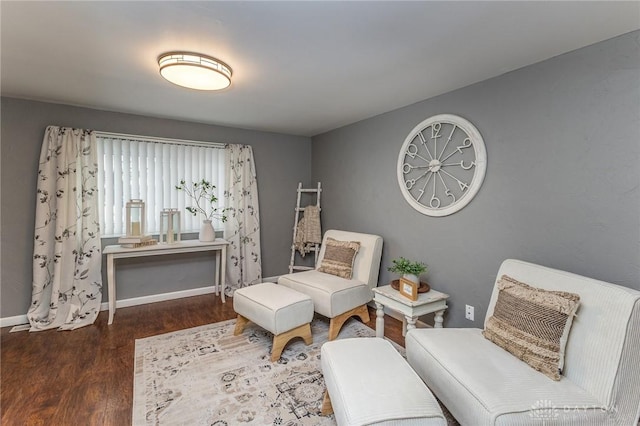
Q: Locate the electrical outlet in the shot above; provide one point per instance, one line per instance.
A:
(469, 312)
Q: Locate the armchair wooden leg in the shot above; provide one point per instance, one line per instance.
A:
(241, 322)
(338, 321)
(281, 340)
(327, 408)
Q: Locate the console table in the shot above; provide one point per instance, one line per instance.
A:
(189, 246)
(431, 301)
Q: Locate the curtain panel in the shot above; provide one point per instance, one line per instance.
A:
(67, 261)
(242, 229)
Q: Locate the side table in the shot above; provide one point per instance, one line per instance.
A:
(431, 301)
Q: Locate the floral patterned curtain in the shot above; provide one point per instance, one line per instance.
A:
(242, 229)
(67, 261)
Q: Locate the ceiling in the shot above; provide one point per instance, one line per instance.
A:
(299, 68)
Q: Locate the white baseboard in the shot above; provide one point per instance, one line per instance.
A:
(152, 298)
(11, 321)
(22, 319)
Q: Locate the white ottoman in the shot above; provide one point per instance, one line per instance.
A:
(369, 383)
(284, 312)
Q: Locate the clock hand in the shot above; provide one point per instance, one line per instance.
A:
(460, 164)
(423, 188)
(463, 186)
(448, 140)
(424, 142)
(434, 198)
(447, 190)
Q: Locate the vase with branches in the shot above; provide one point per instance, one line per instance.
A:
(203, 196)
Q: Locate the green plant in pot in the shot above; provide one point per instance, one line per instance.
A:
(409, 269)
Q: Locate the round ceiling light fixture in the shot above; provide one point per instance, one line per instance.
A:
(195, 71)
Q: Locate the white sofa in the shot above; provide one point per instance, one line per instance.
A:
(482, 384)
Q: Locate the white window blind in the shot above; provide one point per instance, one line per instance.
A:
(133, 167)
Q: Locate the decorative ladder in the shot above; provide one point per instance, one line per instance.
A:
(315, 248)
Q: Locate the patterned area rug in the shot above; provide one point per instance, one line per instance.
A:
(208, 376)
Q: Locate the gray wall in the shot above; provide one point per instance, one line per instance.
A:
(281, 162)
(562, 187)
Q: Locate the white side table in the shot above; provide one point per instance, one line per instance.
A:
(431, 301)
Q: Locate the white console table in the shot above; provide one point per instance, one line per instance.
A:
(188, 246)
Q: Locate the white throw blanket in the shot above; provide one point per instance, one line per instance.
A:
(308, 231)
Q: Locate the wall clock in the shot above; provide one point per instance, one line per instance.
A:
(441, 165)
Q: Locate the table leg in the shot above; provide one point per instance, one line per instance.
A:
(411, 323)
(438, 319)
(223, 271)
(111, 283)
(216, 279)
(379, 320)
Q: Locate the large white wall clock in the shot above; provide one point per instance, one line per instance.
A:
(441, 165)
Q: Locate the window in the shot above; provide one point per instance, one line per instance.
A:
(131, 167)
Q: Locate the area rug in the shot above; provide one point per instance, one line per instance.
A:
(207, 376)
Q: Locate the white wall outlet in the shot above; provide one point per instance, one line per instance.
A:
(469, 312)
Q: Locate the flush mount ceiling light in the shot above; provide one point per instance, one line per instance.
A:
(194, 71)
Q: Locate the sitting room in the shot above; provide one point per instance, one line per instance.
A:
(348, 212)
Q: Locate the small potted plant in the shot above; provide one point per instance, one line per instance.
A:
(409, 269)
(202, 192)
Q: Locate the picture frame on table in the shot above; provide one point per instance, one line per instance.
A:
(408, 289)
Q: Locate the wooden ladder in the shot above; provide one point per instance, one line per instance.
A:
(316, 248)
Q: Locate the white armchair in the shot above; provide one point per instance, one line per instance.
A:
(339, 298)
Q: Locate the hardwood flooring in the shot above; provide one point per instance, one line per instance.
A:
(85, 376)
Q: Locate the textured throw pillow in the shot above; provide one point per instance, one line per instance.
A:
(532, 324)
(339, 257)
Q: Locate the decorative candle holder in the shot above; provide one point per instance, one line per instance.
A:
(135, 226)
(169, 226)
(135, 212)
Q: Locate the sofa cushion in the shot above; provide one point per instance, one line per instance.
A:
(339, 257)
(481, 384)
(532, 324)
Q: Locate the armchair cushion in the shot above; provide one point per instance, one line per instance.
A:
(532, 324)
(339, 257)
(331, 295)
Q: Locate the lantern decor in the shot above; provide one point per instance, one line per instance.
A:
(170, 226)
(135, 225)
(135, 218)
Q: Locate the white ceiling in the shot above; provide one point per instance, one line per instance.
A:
(301, 67)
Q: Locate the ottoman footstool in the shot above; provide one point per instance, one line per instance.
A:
(284, 312)
(370, 383)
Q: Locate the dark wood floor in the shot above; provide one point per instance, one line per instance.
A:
(85, 377)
